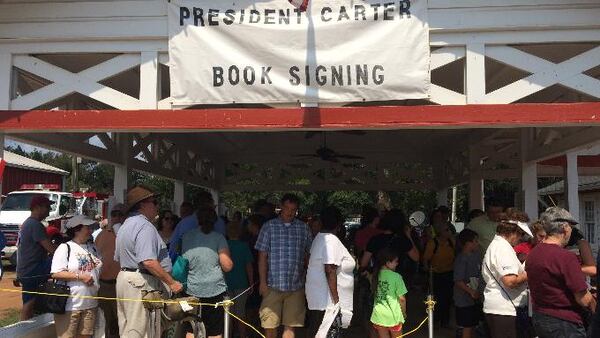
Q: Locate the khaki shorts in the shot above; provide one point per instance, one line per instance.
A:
(75, 323)
(283, 307)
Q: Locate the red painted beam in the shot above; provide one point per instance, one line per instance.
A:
(376, 117)
(589, 161)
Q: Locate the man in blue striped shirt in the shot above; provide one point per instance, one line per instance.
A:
(283, 245)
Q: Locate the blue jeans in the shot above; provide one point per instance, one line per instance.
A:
(552, 327)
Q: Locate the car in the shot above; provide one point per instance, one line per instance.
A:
(15, 210)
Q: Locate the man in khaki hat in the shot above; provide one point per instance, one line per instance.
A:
(145, 264)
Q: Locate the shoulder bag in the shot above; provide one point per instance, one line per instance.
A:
(54, 293)
(522, 312)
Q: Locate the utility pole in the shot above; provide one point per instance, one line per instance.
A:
(75, 160)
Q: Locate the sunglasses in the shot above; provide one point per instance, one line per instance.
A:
(153, 201)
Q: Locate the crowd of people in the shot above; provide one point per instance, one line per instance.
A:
(501, 276)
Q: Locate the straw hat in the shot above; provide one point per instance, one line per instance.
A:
(138, 194)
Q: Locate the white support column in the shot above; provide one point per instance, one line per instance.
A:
(442, 197)
(178, 195)
(529, 185)
(475, 73)
(2, 156)
(5, 80)
(149, 80)
(454, 194)
(121, 180)
(215, 196)
(529, 188)
(475, 181)
(475, 193)
(572, 184)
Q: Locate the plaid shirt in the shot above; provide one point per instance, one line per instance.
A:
(287, 246)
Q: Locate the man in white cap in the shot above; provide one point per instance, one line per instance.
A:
(145, 264)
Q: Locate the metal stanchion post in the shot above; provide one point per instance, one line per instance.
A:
(430, 300)
(430, 315)
(227, 318)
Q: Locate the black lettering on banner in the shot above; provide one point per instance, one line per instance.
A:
(293, 73)
(269, 20)
(198, 16)
(349, 72)
(307, 74)
(212, 15)
(321, 80)
(359, 10)
(217, 76)
(404, 8)
(362, 74)
(343, 14)
(388, 11)
(249, 75)
(375, 11)
(337, 74)
(284, 16)
(229, 17)
(378, 79)
(184, 13)
(323, 10)
(264, 77)
(234, 71)
(254, 14)
(242, 15)
(298, 15)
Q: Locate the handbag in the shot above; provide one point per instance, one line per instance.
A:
(57, 302)
(180, 270)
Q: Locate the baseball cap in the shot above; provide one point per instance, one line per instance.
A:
(40, 200)
(78, 220)
(557, 214)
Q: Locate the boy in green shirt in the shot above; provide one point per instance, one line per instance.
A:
(389, 309)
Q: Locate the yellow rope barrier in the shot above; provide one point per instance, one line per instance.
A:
(243, 322)
(430, 305)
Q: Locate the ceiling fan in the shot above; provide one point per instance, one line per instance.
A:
(328, 154)
(311, 134)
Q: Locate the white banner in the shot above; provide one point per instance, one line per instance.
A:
(272, 52)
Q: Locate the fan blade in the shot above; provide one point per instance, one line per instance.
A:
(350, 157)
(354, 132)
(306, 155)
(311, 134)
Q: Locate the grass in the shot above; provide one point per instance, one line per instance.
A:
(10, 316)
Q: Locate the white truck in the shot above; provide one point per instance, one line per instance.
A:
(15, 210)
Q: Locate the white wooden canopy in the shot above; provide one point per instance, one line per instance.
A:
(113, 54)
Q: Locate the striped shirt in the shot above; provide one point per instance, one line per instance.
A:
(286, 246)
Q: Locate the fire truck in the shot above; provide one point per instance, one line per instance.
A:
(15, 210)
